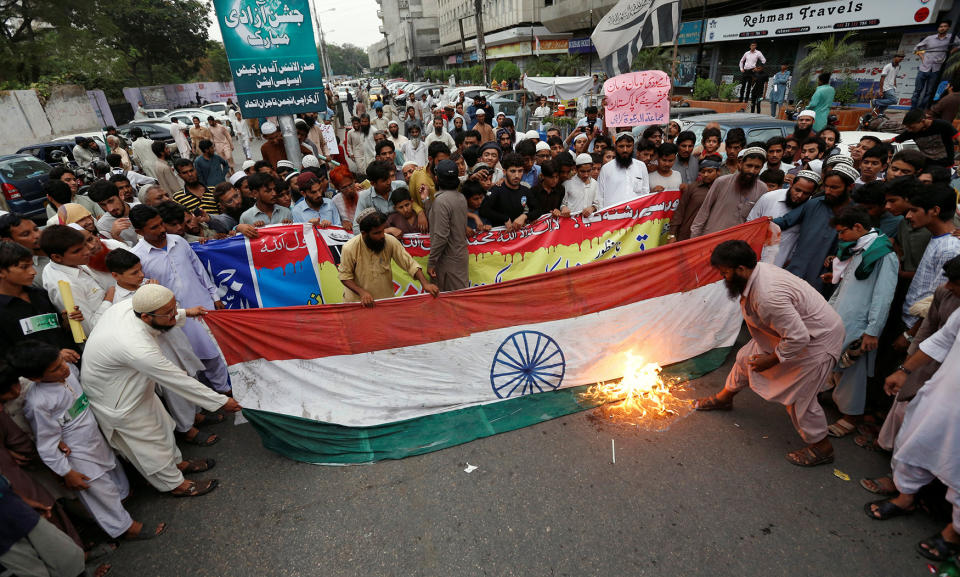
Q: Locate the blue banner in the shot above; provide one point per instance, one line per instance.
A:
(690, 32)
(273, 56)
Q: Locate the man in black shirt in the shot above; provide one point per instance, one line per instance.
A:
(25, 311)
(759, 88)
(934, 137)
(507, 204)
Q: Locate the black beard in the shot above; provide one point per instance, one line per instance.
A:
(310, 121)
(395, 134)
(792, 203)
(745, 179)
(375, 246)
(832, 201)
(438, 131)
(801, 134)
(162, 328)
(624, 161)
(365, 129)
(735, 286)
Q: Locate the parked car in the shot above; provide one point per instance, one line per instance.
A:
(758, 127)
(185, 116)
(22, 177)
(152, 130)
(50, 152)
(154, 112)
(217, 107)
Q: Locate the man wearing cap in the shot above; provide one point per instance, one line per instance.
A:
(365, 262)
(692, 197)
(543, 153)
(888, 85)
(486, 132)
(273, 149)
(803, 129)
(414, 149)
(731, 198)
(781, 201)
(122, 364)
(580, 191)
(816, 238)
(625, 178)
(448, 264)
(314, 207)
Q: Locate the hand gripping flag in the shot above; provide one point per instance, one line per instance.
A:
(632, 25)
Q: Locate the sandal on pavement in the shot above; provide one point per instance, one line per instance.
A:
(201, 439)
(195, 489)
(877, 485)
(841, 428)
(144, 535)
(936, 548)
(810, 456)
(886, 509)
(869, 443)
(100, 550)
(198, 466)
(209, 419)
(712, 403)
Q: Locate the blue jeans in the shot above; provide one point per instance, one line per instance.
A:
(925, 86)
(773, 108)
(889, 99)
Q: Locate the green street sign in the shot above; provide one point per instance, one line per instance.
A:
(273, 56)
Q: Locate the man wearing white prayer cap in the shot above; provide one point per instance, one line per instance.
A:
(247, 166)
(122, 364)
(273, 150)
(533, 135)
(310, 161)
(543, 152)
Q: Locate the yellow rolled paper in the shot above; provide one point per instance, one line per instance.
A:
(66, 294)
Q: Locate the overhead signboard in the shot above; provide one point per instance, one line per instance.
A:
(824, 17)
(273, 56)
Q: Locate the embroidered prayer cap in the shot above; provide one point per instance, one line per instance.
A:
(480, 112)
(310, 161)
(542, 145)
(584, 158)
(753, 151)
(236, 176)
(410, 163)
(532, 134)
(847, 170)
(838, 158)
(304, 179)
(366, 212)
(625, 136)
(151, 297)
(808, 113)
(580, 136)
(268, 128)
(285, 164)
(809, 175)
(392, 122)
(247, 164)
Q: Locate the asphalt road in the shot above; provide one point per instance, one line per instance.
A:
(713, 495)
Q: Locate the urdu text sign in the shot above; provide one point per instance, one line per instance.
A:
(273, 56)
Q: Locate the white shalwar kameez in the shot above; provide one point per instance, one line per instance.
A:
(929, 440)
(616, 185)
(122, 363)
(59, 412)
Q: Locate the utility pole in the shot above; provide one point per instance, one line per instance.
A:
(703, 30)
(481, 44)
(413, 48)
(387, 40)
(590, 53)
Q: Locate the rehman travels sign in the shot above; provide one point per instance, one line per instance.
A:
(273, 56)
(824, 17)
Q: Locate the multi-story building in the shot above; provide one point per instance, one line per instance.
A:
(411, 34)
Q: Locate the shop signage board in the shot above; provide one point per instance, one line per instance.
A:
(820, 18)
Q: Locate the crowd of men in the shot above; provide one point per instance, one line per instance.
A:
(858, 297)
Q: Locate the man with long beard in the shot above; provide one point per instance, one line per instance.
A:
(781, 201)
(804, 126)
(365, 269)
(360, 144)
(347, 195)
(394, 136)
(623, 179)
(732, 197)
(817, 238)
(796, 342)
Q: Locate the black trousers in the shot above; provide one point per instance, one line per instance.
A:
(746, 84)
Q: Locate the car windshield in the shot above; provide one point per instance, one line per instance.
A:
(218, 107)
(22, 167)
(507, 107)
(698, 130)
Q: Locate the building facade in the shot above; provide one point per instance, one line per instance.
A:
(411, 34)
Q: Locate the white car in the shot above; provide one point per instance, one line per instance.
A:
(850, 138)
(185, 116)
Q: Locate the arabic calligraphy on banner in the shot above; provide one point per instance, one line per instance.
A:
(273, 56)
(638, 98)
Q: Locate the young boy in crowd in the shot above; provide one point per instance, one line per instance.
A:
(403, 220)
(266, 210)
(872, 164)
(128, 272)
(69, 255)
(646, 153)
(580, 192)
(709, 142)
(70, 442)
(773, 178)
(872, 198)
(665, 177)
(26, 311)
(475, 196)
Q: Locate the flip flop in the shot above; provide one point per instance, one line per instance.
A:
(197, 489)
(841, 428)
(210, 419)
(809, 457)
(198, 466)
(201, 439)
(885, 510)
(145, 535)
(100, 551)
(876, 489)
(937, 548)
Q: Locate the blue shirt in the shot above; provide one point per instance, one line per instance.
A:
(303, 212)
(213, 171)
(816, 240)
(532, 177)
(253, 214)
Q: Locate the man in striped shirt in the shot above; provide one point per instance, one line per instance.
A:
(194, 194)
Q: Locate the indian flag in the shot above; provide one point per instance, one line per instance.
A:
(343, 384)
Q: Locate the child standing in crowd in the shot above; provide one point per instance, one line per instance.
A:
(69, 255)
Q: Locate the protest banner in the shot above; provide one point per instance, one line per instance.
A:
(418, 374)
(252, 274)
(637, 98)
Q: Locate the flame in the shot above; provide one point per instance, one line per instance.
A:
(641, 395)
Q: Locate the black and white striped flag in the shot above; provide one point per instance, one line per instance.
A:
(632, 25)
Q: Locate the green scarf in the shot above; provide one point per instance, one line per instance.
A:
(878, 249)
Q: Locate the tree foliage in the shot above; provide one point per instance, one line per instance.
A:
(568, 65)
(347, 59)
(505, 70)
(831, 54)
(541, 67)
(653, 59)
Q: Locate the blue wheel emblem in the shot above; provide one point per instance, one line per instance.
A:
(527, 362)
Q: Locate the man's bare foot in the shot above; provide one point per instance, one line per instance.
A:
(102, 570)
(722, 401)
